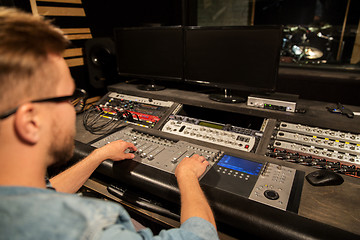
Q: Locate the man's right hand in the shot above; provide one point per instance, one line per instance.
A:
(193, 200)
(195, 165)
(116, 151)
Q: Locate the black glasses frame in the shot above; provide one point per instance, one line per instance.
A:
(78, 94)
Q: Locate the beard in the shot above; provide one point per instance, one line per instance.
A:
(61, 153)
(61, 147)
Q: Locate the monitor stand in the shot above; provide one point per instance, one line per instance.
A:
(227, 97)
(151, 87)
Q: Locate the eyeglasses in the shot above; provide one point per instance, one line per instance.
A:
(77, 99)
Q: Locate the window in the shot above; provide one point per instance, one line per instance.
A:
(316, 33)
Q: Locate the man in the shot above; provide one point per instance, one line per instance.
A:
(37, 128)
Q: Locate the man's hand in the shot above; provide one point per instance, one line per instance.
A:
(116, 151)
(193, 200)
(196, 165)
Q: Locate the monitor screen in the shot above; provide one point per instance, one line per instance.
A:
(239, 164)
(244, 58)
(150, 52)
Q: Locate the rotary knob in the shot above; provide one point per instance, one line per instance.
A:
(271, 194)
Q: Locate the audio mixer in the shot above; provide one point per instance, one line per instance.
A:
(158, 152)
(145, 111)
(267, 183)
(313, 146)
(238, 138)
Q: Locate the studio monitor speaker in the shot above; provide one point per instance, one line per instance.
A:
(101, 61)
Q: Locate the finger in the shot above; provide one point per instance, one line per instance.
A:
(129, 156)
(206, 163)
(195, 156)
(130, 146)
(201, 159)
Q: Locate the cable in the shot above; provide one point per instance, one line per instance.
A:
(102, 120)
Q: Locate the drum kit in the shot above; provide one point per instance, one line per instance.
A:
(307, 44)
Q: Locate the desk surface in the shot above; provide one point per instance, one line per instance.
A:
(336, 206)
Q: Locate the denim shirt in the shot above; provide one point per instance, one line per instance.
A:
(34, 213)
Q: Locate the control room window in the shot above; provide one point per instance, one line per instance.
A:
(316, 32)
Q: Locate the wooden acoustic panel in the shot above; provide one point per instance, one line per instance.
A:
(61, 11)
(60, 8)
(74, 62)
(62, 1)
(73, 52)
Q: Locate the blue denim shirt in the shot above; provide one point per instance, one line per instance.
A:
(33, 213)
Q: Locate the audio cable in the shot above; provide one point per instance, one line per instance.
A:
(102, 120)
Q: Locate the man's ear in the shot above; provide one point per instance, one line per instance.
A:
(27, 125)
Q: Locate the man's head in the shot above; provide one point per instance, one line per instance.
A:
(25, 44)
(32, 68)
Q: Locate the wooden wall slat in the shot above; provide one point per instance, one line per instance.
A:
(73, 62)
(72, 52)
(78, 36)
(34, 7)
(355, 57)
(75, 30)
(61, 11)
(62, 1)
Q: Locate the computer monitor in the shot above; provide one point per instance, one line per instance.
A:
(152, 53)
(244, 58)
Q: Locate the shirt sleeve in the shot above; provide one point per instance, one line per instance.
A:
(194, 228)
(200, 227)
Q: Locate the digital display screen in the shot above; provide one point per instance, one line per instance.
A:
(239, 164)
(211, 125)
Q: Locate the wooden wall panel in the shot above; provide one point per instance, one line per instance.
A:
(55, 9)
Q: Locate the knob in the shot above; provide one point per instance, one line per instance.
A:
(271, 194)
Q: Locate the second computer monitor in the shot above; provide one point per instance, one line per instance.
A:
(243, 58)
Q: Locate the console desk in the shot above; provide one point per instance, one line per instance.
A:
(323, 212)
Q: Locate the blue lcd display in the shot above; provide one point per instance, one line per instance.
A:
(240, 164)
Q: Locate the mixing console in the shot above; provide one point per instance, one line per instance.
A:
(158, 152)
(267, 183)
